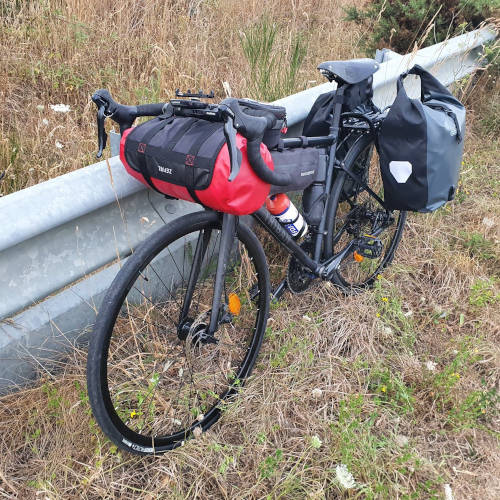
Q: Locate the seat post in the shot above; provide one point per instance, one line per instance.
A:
(334, 132)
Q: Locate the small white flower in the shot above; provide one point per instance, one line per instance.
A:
(431, 366)
(401, 440)
(489, 223)
(177, 421)
(316, 442)
(59, 145)
(60, 108)
(316, 393)
(387, 330)
(306, 318)
(344, 477)
(40, 107)
(448, 495)
(45, 121)
(200, 417)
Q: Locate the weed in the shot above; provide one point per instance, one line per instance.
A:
(478, 245)
(273, 71)
(482, 292)
(269, 466)
(390, 391)
(393, 315)
(478, 406)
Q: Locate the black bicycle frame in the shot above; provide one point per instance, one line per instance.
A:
(319, 269)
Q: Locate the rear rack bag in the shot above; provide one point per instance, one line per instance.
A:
(420, 145)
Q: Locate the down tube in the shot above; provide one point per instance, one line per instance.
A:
(284, 239)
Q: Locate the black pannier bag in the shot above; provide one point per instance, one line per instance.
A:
(420, 146)
(320, 118)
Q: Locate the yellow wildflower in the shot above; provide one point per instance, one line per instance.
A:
(379, 276)
(385, 299)
(133, 413)
(383, 388)
(378, 315)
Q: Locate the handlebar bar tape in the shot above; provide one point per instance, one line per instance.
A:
(260, 167)
(253, 128)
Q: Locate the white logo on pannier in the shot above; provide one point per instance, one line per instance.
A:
(400, 170)
(165, 170)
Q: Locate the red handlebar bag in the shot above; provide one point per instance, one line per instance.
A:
(188, 159)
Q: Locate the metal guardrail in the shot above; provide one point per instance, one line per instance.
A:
(62, 241)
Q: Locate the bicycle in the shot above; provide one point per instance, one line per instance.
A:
(180, 327)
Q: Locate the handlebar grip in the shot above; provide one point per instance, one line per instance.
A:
(122, 114)
(150, 109)
(260, 167)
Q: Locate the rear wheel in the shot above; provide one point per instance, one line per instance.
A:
(356, 216)
(154, 375)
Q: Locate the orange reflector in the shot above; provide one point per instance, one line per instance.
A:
(234, 304)
(358, 257)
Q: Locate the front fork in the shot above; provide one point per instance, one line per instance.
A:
(227, 235)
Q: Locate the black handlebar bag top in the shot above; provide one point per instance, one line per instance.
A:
(420, 146)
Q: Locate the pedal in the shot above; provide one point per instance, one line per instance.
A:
(370, 247)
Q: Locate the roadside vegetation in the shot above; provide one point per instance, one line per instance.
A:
(391, 394)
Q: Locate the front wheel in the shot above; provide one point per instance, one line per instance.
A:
(356, 218)
(154, 375)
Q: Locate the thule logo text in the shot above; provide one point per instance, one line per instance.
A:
(165, 170)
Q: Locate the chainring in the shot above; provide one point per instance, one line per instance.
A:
(298, 277)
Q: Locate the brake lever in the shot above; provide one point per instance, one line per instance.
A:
(101, 131)
(234, 152)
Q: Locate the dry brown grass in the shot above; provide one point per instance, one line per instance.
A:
(403, 430)
(56, 51)
(352, 371)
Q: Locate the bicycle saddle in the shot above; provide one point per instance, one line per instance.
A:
(352, 71)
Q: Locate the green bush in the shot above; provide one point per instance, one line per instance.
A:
(399, 24)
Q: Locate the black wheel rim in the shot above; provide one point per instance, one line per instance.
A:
(359, 215)
(161, 379)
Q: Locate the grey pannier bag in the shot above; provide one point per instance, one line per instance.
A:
(420, 145)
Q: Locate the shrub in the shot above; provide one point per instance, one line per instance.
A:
(273, 69)
(399, 24)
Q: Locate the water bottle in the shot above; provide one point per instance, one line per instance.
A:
(287, 214)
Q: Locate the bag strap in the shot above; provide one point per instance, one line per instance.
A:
(204, 132)
(428, 83)
(141, 159)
